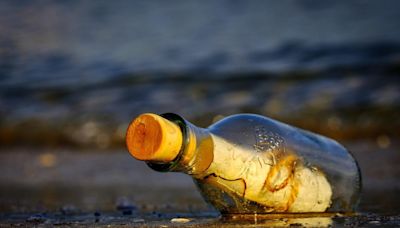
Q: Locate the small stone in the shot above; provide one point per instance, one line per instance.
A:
(123, 204)
(39, 218)
(127, 212)
(339, 215)
(155, 213)
(137, 220)
(68, 209)
(180, 220)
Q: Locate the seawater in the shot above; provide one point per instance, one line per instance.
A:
(76, 72)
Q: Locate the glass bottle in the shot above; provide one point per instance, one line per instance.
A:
(248, 163)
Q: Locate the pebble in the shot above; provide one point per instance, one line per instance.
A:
(68, 210)
(37, 218)
(155, 213)
(123, 204)
(127, 212)
(138, 220)
(180, 220)
(339, 215)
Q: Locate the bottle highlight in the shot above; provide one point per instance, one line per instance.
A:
(248, 163)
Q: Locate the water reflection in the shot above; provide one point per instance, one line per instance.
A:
(280, 220)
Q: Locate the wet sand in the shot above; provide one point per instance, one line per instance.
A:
(73, 188)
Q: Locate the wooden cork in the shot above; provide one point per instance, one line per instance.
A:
(151, 137)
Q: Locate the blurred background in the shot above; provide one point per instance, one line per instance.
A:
(73, 74)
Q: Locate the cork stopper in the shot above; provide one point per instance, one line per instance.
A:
(151, 137)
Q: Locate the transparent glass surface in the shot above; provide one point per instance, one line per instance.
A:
(264, 166)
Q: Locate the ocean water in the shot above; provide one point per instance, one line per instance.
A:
(76, 72)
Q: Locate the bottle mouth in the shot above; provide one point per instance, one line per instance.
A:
(151, 137)
(174, 164)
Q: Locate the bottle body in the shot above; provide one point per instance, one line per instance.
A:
(252, 164)
(266, 166)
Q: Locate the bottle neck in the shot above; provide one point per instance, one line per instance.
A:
(196, 153)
